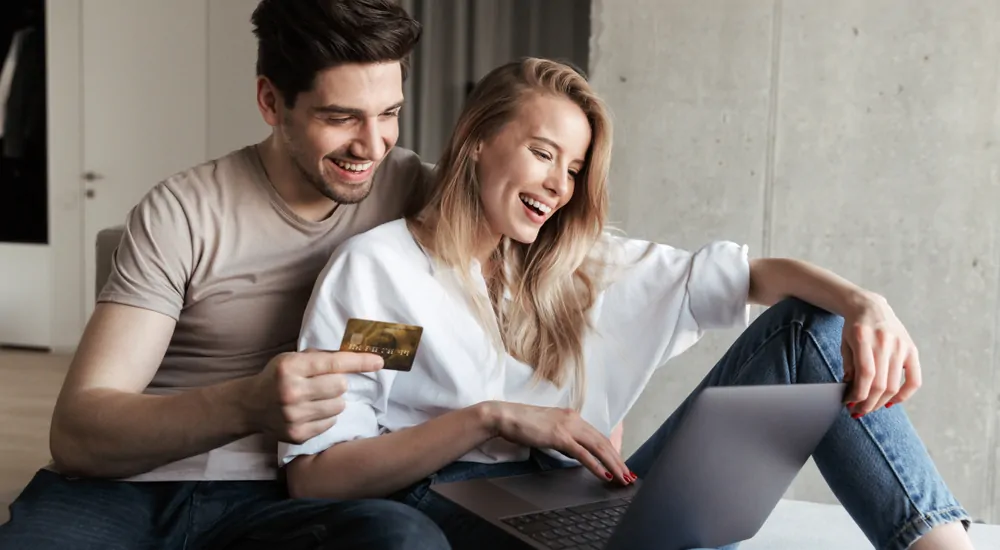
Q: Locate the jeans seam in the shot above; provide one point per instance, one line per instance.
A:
(190, 518)
(927, 519)
(419, 493)
(423, 500)
(778, 331)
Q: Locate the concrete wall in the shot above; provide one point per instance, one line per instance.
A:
(862, 136)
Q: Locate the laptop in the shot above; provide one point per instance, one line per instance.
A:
(717, 479)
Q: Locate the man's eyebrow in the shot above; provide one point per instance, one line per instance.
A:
(334, 109)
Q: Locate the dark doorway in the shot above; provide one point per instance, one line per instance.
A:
(23, 135)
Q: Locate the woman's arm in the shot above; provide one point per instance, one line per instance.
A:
(876, 347)
(378, 466)
(773, 279)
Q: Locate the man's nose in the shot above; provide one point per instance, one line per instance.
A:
(368, 144)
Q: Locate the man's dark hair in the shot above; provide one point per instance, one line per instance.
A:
(296, 39)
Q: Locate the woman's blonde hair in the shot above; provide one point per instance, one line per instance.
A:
(552, 283)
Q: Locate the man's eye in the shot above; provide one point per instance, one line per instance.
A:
(393, 113)
(338, 121)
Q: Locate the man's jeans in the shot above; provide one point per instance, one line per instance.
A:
(877, 466)
(54, 512)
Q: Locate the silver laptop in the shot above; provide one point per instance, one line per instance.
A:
(717, 479)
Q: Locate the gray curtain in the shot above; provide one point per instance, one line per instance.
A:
(464, 39)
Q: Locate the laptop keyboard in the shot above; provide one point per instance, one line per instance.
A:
(586, 527)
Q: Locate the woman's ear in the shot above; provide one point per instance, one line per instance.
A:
(476, 151)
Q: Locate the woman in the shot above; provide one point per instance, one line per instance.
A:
(540, 330)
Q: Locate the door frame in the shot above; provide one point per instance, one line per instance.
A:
(64, 66)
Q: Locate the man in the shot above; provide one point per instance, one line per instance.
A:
(164, 434)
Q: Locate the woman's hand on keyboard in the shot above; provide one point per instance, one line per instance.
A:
(563, 430)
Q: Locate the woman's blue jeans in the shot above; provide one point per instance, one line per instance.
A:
(877, 465)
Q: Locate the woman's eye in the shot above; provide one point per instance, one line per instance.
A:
(542, 154)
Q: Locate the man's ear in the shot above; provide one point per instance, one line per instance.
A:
(268, 98)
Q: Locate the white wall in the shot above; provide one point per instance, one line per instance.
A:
(44, 296)
(858, 135)
(233, 118)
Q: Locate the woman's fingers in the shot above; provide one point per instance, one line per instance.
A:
(601, 447)
(848, 355)
(878, 355)
(883, 347)
(864, 368)
(894, 376)
(587, 459)
(565, 431)
(594, 451)
(911, 364)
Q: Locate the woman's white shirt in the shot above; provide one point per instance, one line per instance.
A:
(659, 304)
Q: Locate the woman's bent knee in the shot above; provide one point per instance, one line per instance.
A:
(816, 320)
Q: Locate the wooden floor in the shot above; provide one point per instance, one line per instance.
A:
(29, 384)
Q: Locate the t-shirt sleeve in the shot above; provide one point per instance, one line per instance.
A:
(660, 300)
(354, 284)
(153, 262)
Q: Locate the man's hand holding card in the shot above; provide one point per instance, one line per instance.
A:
(299, 394)
(395, 343)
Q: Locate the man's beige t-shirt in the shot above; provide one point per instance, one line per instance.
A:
(216, 249)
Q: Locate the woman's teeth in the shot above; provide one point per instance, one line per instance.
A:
(539, 207)
(353, 167)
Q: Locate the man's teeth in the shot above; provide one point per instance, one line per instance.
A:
(544, 209)
(353, 167)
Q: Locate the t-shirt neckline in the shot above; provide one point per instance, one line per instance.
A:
(262, 180)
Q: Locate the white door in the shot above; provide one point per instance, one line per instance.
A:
(144, 105)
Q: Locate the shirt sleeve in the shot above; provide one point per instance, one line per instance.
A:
(660, 300)
(153, 261)
(354, 284)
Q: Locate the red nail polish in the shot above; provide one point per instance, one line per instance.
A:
(889, 404)
(608, 475)
(856, 416)
(849, 405)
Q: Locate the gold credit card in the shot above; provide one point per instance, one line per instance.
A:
(396, 343)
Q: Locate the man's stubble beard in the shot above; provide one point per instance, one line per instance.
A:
(317, 182)
(320, 184)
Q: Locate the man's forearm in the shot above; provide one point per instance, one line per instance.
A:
(115, 434)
